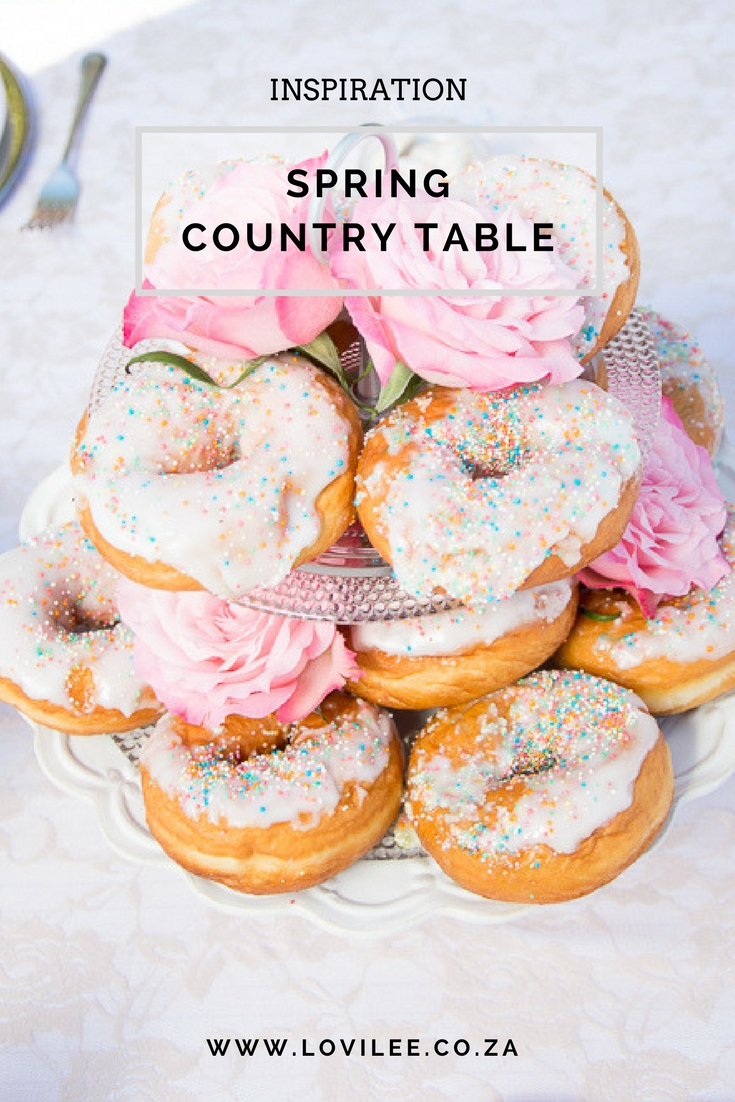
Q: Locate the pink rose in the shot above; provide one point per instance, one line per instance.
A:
(206, 659)
(670, 543)
(239, 326)
(484, 343)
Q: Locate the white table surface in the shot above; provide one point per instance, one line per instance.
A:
(112, 975)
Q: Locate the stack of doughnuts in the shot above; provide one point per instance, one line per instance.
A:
(493, 500)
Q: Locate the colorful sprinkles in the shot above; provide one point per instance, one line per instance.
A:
(474, 499)
(296, 785)
(219, 484)
(58, 614)
(554, 758)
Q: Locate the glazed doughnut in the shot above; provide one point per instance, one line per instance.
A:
(456, 656)
(174, 205)
(480, 495)
(541, 792)
(279, 821)
(547, 191)
(682, 657)
(182, 485)
(65, 659)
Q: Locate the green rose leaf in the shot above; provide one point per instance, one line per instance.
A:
(403, 383)
(324, 351)
(601, 617)
(192, 369)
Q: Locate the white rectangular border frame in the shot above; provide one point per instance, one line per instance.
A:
(190, 292)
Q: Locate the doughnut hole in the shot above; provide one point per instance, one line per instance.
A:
(243, 737)
(211, 447)
(500, 448)
(74, 609)
(74, 618)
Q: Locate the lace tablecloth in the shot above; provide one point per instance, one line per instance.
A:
(114, 977)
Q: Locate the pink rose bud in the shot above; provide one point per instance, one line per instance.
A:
(670, 543)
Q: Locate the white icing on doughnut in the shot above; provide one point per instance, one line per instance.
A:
(684, 629)
(58, 612)
(296, 785)
(564, 454)
(220, 484)
(566, 196)
(462, 629)
(577, 744)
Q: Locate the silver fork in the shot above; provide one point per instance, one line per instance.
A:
(58, 198)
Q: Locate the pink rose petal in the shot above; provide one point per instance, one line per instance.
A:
(206, 659)
(238, 326)
(485, 342)
(670, 543)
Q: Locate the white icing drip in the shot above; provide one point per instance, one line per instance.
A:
(687, 629)
(297, 785)
(278, 438)
(561, 805)
(564, 195)
(485, 536)
(463, 629)
(45, 585)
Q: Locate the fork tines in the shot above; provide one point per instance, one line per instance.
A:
(58, 198)
(47, 215)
